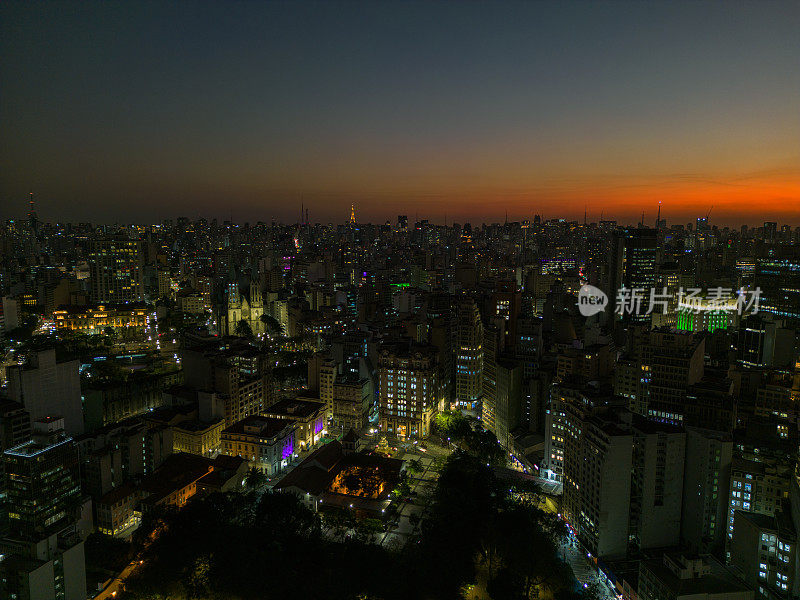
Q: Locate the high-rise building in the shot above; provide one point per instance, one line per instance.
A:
(48, 387)
(469, 355)
(779, 282)
(764, 549)
(623, 481)
(763, 341)
(408, 388)
(116, 271)
(44, 556)
(757, 487)
(239, 375)
(706, 477)
(674, 362)
(633, 267)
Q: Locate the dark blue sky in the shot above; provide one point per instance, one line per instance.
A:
(143, 111)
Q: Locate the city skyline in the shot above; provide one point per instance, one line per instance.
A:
(138, 113)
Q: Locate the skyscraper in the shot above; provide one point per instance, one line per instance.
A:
(469, 355)
(44, 556)
(116, 271)
(633, 267)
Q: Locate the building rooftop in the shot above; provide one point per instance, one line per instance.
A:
(695, 575)
(316, 473)
(295, 407)
(257, 425)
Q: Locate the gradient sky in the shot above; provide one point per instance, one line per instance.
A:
(138, 112)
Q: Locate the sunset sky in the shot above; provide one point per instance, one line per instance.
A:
(139, 112)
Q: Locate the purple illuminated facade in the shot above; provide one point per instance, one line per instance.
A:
(288, 448)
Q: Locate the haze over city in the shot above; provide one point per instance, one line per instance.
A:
(139, 112)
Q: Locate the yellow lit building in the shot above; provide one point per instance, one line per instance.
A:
(196, 437)
(94, 320)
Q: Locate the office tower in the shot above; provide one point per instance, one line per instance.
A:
(675, 362)
(43, 482)
(506, 304)
(469, 355)
(764, 549)
(706, 477)
(710, 403)
(568, 404)
(623, 481)
(44, 556)
(779, 281)
(15, 424)
(440, 335)
(491, 343)
(48, 387)
(633, 267)
(763, 341)
(408, 388)
(15, 428)
(116, 271)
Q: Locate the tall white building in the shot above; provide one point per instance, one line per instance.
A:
(623, 480)
(48, 388)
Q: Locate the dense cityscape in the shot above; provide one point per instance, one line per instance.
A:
(338, 398)
(353, 300)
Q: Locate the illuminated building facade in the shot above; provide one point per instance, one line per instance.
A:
(127, 320)
(266, 443)
(43, 556)
(116, 271)
(779, 280)
(469, 355)
(408, 387)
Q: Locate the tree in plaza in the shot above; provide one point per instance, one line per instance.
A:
(272, 324)
(528, 549)
(414, 466)
(367, 529)
(255, 478)
(243, 329)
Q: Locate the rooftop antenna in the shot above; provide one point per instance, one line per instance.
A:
(642, 223)
(658, 218)
(585, 210)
